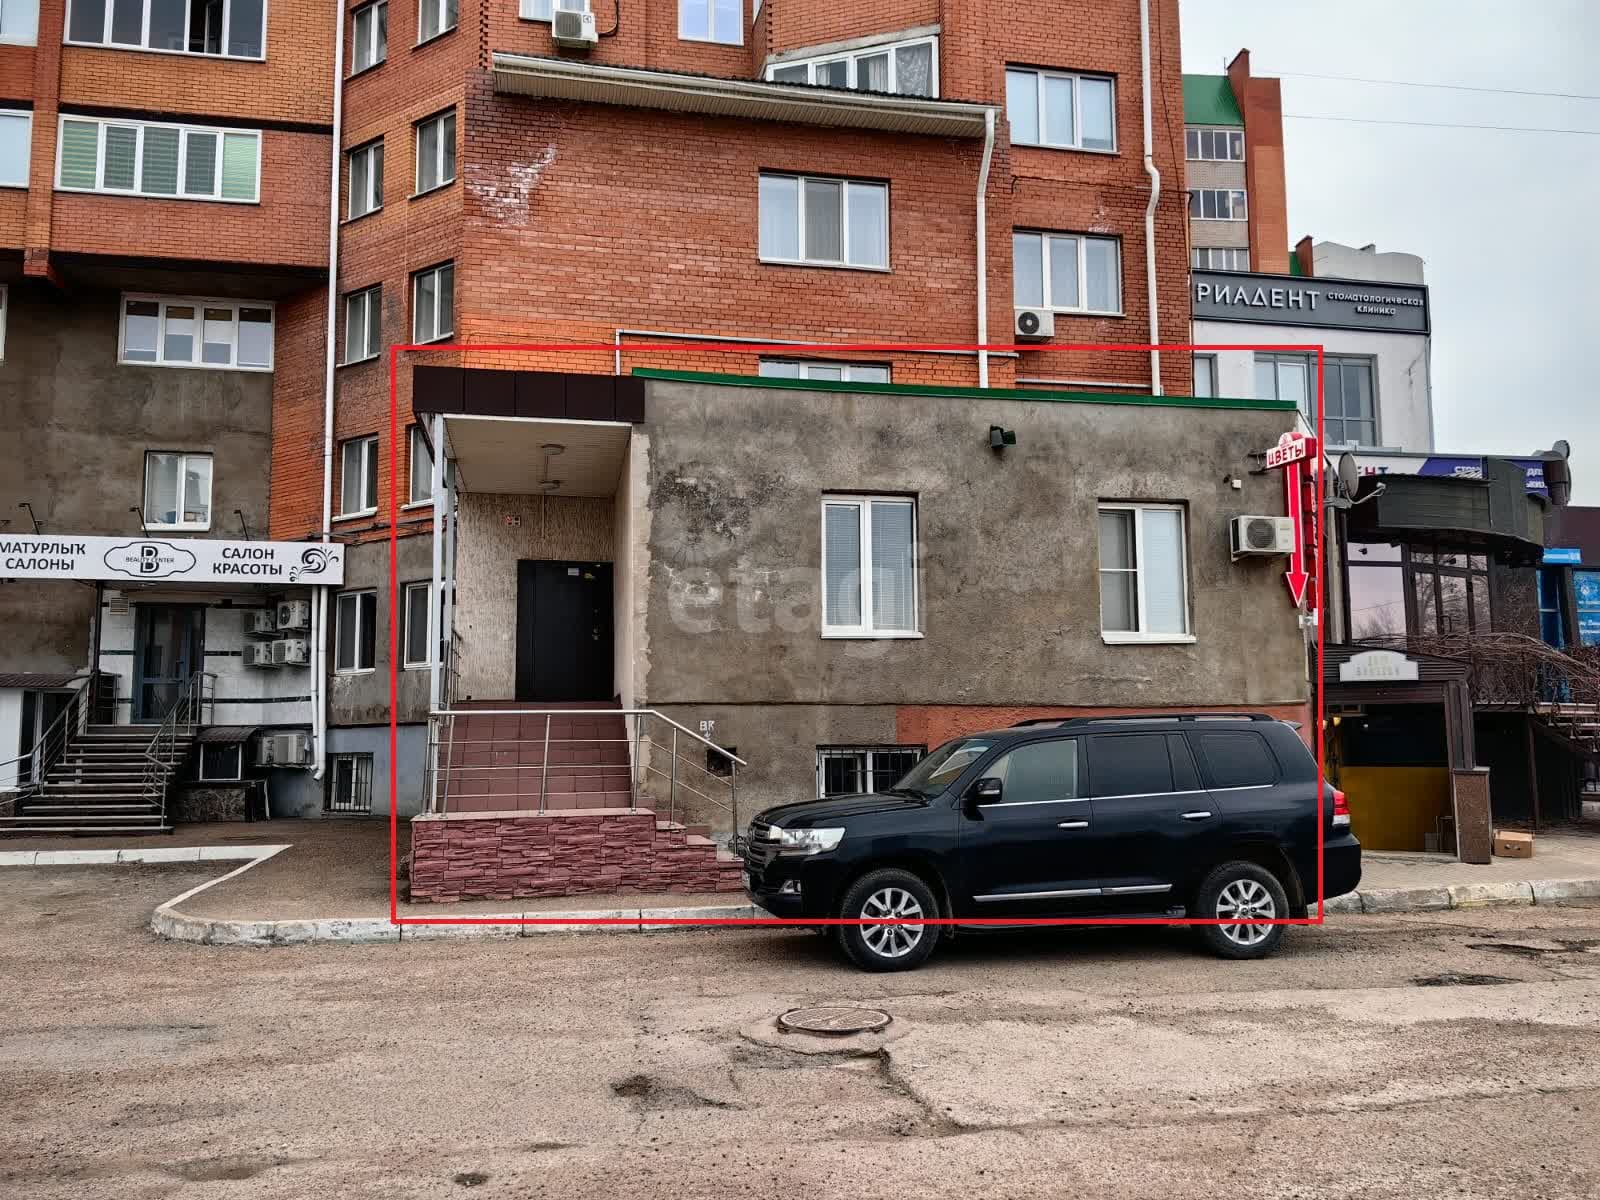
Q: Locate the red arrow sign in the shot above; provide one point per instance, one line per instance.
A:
(1295, 576)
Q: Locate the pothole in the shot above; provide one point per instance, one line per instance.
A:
(834, 1020)
(1460, 979)
(1538, 949)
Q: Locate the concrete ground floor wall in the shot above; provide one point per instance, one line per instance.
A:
(407, 767)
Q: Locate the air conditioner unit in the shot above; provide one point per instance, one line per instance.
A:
(291, 652)
(1261, 535)
(1034, 324)
(261, 622)
(294, 614)
(283, 750)
(259, 654)
(573, 27)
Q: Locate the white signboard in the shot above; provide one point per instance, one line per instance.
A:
(175, 560)
(1378, 666)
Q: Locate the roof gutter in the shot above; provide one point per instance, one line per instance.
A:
(636, 87)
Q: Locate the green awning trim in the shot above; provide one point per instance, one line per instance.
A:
(1208, 100)
(1022, 395)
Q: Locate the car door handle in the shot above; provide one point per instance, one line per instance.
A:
(1072, 824)
(1198, 814)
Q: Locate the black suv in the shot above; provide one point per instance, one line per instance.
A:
(1210, 815)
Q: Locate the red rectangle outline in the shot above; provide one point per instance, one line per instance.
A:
(878, 347)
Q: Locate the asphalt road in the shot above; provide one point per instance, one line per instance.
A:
(1425, 1056)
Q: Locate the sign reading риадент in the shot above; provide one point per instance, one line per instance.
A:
(176, 560)
(1308, 300)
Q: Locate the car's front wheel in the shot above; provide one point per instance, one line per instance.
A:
(1244, 897)
(893, 901)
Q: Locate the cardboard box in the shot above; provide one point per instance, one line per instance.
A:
(1511, 843)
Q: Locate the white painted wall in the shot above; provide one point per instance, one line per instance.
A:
(10, 735)
(1338, 261)
(1404, 403)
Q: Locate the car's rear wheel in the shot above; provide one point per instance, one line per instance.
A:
(1244, 897)
(893, 900)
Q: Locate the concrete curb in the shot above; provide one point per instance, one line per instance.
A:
(1466, 895)
(138, 854)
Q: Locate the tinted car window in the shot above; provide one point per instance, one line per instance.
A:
(941, 768)
(1238, 759)
(1185, 778)
(1129, 764)
(1039, 771)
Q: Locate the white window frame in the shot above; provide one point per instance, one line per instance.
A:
(5, 309)
(439, 335)
(338, 625)
(368, 476)
(1077, 78)
(417, 446)
(1234, 258)
(374, 196)
(439, 119)
(711, 27)
(443, 29)
(140, 127)
(1199, 155)
(545, 10)
(407, 663)
(853, 56)
(843, 264)
(227, 20)
(865, 629)
(1117, 637)
(371, 302)
(183, 457)
(1211, 361)
(847, 369)
(866, 754)
(1238, 203)
(1282, 358)
(238, 758)
(199, 304)
(376, 49)
(27, 142)
(1046, 236)
(13, 39)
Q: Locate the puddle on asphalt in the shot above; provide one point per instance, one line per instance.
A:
(1461, 979)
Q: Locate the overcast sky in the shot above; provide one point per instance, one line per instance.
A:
(1505, 222)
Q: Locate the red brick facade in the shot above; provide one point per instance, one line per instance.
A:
(570, 222)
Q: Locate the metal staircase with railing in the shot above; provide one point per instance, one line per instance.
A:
(88, 779)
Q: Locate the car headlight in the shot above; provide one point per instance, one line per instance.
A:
(805, 841)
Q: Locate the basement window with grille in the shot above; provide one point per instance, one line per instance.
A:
(852, 770)
(350, 783)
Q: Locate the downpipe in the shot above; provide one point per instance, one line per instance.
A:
(1150, 208)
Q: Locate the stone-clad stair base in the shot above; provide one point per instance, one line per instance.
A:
(520, 855)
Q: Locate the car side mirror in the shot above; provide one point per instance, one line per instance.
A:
(986, 791)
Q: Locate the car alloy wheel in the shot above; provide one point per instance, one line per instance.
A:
(1243, 906)
(891, 940)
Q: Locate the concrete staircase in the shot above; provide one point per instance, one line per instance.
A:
(97, 787)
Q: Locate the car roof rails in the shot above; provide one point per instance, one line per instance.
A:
(1145, 717)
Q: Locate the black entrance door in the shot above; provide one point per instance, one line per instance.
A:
(564, 631)
(169, 647)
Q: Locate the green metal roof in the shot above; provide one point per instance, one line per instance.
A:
(1208, 100)
(923, 389)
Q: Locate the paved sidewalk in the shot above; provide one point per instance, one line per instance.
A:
(331, 882)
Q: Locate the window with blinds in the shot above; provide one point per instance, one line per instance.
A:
(146, 159)
(869, 566)
(1144, 590)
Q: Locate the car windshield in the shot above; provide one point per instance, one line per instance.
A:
(936, 772)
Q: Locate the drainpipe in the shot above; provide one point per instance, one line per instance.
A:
(1155, 196)
(319, 595)
(983, 247)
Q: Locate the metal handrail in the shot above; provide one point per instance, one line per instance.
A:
(640, 770)
(160, 755)
(53, 742)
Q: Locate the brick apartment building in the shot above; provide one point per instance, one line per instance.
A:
(695, 172)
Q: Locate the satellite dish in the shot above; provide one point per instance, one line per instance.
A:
(1349, 474)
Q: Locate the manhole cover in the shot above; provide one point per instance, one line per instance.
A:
(837, 1020)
